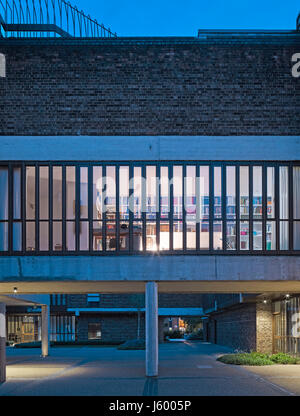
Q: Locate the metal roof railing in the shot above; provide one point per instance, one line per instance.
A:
(48, 18)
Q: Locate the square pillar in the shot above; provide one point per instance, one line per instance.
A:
(45, 330)
(151, 303)
(264, 328)
(2, 343)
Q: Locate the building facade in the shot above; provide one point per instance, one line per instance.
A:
(100, 318)
(150, 164)
(267, 323)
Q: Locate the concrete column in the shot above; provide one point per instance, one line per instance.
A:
(2, 343)
(151, 329)
(45, 330)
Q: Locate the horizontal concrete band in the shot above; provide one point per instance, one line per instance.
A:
(151, 148)
(217, 286)
(149, 268)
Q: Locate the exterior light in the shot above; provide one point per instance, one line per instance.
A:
(15, 290)
(265, 301)
(287, 296)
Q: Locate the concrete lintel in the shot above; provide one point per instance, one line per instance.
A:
(220, 286)
(151, 148)
(143, 268)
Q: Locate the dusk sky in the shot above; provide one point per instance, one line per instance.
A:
(184, 18)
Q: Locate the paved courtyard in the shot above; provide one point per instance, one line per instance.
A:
(188, 368)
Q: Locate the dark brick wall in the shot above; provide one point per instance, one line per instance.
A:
(115, 328)
(163, 89)
(235, 328)
(135, 300)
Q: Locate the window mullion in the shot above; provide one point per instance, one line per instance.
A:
(250, 207)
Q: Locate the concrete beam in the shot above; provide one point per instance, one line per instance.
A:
(141, 268)
(221, 286)
(151, 303)
(153, 148)
(2, 343)
(45, 330)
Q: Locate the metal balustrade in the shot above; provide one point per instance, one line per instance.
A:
(48, 18)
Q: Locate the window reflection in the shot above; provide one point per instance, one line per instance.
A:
(177, 192)
(124, 236)
(70, 192)
(164, 236)
(151, 236)
(271, 235)
(151, 192)
(283, 192)
(97, 192)
(97, 236)
(296, 235)
(204, 192)
(84, 235)
(3, 193)
(296, 191)
(177, 235)
(217, 192)
(3, 236)
(257, 235)
(3, 208)
(190, 193)
(204, 235)
(44, 193)
(57, 235)
(191, 235)
(244, 235)
(257, 192)
(110, 193)
(30, 192)
(17, 193)
(83, 192)
(231, 235)
(164, 192)
(230, 192)
(284, 235)
(30, 236)
(137, 236)
(70, 235)
(270, 192)
(17, 236)
(244, 192)
(217, 235)
(44, 236)
(124, 192)
(137, 192)
(111, 238)
(57, 193)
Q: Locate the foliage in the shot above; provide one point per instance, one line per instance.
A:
(193, 324)
(256, 358)
(281, 358)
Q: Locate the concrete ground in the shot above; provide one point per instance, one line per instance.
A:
(188, 368)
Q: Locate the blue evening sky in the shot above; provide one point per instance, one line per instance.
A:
(184, 18)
